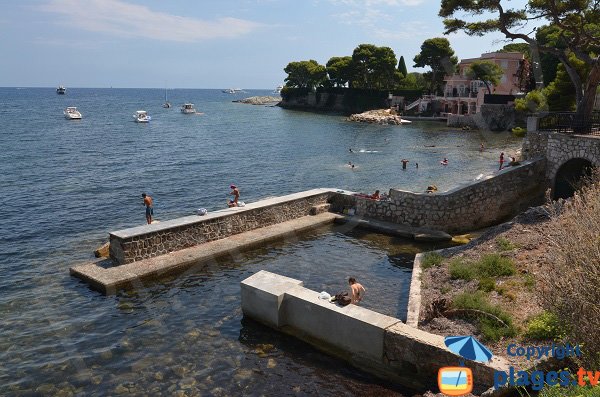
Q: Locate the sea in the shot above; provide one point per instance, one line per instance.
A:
(65, 184)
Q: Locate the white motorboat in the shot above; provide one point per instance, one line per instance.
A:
(232, 90)
(188, 108)
(141, 116)
(71, 113)
(61, 90)
(278, 89)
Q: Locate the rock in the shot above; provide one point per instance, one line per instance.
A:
(259, 100)
(102, 251)
(271, 363)
(381, 116)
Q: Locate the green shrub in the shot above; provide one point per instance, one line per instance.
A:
(529, 282)
(504, 244)
(519, 132)
(461, 270)
(487, 284)
(431, 259)
(543, 326)
(490, 328)
(494, 265)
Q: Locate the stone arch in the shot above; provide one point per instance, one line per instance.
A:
(569, 175)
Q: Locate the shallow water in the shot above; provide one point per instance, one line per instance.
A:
(65, 184)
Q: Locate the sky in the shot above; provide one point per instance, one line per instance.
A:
(204, 43)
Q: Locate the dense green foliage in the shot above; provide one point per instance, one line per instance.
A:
(573, 30)
(486, 71)
(402, 67)
(534, 101)
(339, 70)
(491, 265)
(439, 56)
(369, 68)
(305, 74)
(571, 391)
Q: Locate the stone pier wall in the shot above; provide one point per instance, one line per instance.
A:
(376, 343)
(143, 242)
(476, 205)
(562, 148)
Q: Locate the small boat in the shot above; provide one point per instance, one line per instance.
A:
(71, 113)
(188, 108)
(232, 90)
(278, 89)
(167, 104)
(61, 90)
(141, 116)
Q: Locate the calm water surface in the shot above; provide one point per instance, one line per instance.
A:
(65, 184)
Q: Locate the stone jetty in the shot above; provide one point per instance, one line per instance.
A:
(379, 116)
(259, 100)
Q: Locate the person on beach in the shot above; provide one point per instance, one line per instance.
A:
(501, 160)
(357, 291)
(404, 162)
(375, 196)
(149, 209)
(236, 196)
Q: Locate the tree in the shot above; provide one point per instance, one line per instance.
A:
(402, 67)
(573, 28)
(305, 74)
(439, 56)
(374, 67)
(339, 70)
(486, 71)
(413, 81)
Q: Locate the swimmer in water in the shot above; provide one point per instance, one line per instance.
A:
(444, 161)
(350, 150)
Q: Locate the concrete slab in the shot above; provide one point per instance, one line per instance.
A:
(415, 233)
(108, 279)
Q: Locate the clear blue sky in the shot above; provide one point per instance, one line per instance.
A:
(203, 44)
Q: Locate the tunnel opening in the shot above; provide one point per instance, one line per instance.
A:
(570, 176)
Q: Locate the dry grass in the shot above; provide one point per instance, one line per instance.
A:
(569, 286)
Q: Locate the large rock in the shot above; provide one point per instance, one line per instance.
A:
(381, 116)
(259, 100)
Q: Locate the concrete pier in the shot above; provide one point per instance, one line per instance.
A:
(103, 276)
(376, 343)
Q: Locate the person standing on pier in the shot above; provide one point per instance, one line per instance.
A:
(149, 210)
(236, 196)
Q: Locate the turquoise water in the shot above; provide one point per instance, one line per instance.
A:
(65, 184)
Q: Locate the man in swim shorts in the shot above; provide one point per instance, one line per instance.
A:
(404, 162)
(149, 209)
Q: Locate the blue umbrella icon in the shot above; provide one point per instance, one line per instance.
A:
(468, 347)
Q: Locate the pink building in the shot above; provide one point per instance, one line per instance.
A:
(463, 95)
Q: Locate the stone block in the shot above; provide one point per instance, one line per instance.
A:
(262, 296)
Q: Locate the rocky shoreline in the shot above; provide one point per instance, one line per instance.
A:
(259, 100)
(379, 116)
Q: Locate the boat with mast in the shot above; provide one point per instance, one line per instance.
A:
(167, 104)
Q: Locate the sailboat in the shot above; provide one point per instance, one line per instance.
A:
(167, 104)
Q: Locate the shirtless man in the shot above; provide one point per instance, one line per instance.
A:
(149, 209)
(357, 290)
(236, 195)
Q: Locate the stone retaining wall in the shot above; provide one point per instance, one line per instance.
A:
(476, 205)
(376, 343)
(134, 244)
(562, 148)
